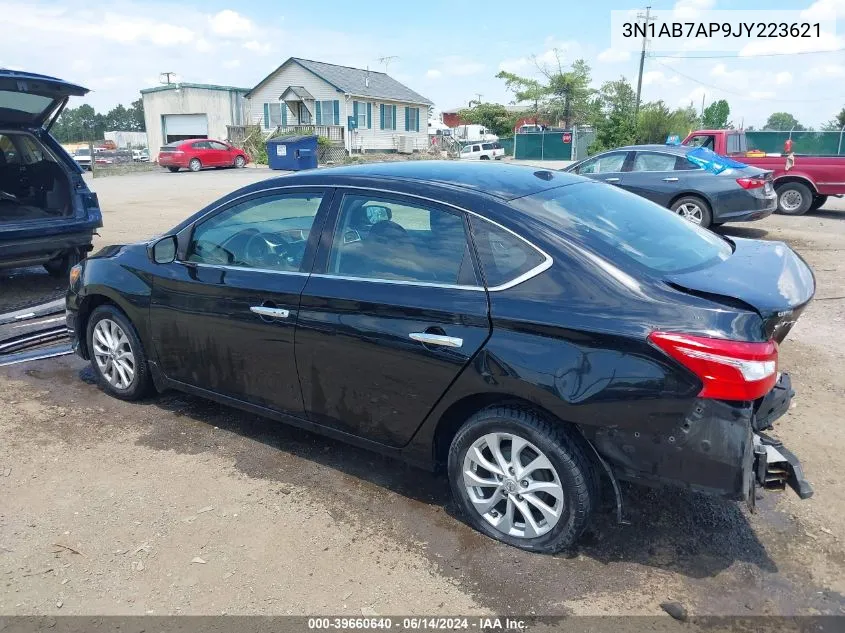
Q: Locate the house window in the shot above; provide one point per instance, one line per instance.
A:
(412, 119)
(388, 117)
(328, 112)
(275, 114)
(360, 109)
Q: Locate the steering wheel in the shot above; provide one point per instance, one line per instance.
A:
(269, 249)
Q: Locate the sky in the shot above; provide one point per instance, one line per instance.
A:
(449, 52)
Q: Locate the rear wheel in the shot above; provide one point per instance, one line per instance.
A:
(485, 157)
(794, 198)
(240, 161)
(521, 480)
(693, 209)
(173, 169)
(195, 164)
(117, 356)
(818, 202)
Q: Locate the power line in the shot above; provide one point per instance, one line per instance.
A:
(838, 50)
(744, 95)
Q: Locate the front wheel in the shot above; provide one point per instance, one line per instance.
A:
(694, 210)
(522, 480)
(195, 164)
(117, 356)
(794, 198)
(240, 161)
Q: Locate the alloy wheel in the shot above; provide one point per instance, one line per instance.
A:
(690, 211)
(791, 200)
(239, 162)
(513, 485)
(113, 354)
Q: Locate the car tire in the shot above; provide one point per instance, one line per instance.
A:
(195, 165)
(483, 158)
(240, 162)
(115, 334)
(60, 267)
(818, 203)
(173, 169)
(693, 209)
(570, 476)
(794, 198)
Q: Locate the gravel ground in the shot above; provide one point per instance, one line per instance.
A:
(180, 506)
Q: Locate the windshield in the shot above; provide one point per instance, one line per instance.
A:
(83, 152)
(612, 222)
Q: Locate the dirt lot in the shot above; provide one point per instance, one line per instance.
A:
(179, 506)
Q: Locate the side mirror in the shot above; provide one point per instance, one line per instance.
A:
(164, 250)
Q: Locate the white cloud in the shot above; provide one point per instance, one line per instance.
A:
(563, 50)
(824, 9)
(736, 77)
(757, 95)
(695, 97)
(228, 23)
(203, 45)
(258, 48)
(455, 66)
(231, 63)
(652, 77)
(783, 78)
(612, 56)
(516, 66)
(433, 74)
(690, 9)
(827, 71)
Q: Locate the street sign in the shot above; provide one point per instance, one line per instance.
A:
(567, 137)
(352, 123)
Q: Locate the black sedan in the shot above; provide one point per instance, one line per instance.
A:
(530, 331)
(697, 184)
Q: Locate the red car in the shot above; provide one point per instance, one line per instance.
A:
(198, 153)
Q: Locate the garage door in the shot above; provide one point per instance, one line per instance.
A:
(182, 126)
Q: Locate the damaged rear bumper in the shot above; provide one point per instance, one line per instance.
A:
(775, 466)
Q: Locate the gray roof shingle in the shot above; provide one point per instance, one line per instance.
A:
(354, 81)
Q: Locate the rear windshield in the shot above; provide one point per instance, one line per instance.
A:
(24, 101)
(613, 223)
(170, 146)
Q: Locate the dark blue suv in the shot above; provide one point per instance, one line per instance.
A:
(47, 213)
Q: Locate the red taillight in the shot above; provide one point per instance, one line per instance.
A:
(751, 183)
(729, 370)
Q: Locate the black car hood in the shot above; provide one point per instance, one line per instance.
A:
(769, 277)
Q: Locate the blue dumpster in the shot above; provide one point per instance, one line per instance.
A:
(292, 153)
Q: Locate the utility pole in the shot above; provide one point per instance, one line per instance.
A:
(167, 77)
(647, 17)
(702, 106)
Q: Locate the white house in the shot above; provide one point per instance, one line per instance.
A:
(303, 96)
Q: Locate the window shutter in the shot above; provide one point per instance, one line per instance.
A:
(266, 116)
(319, 114)
(418, 120)
(369, 115)
(336, 112)
(394, 118)
(284, 107)
(355, 110)
(407, 119)
(381, 115)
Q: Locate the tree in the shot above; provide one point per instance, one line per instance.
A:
(494, 116)
(656, 122)
(136, 116)
(715, 116)
(837, 123)
(613, 115)
(782, 122)
(562, 95)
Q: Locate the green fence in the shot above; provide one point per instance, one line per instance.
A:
(802, 142)
(542, 146)
(507, 145)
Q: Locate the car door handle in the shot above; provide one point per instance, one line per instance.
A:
(273, 313)
(436, 339)
(670, 179)
(611, 180)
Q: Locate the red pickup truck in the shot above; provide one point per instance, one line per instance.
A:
(803, 186)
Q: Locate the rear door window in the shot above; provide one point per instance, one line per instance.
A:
(653, 161)
(394, 239)
(218, 145)
(619, 225)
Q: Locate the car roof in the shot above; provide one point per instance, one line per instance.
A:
(502, 181)
(680, 150)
